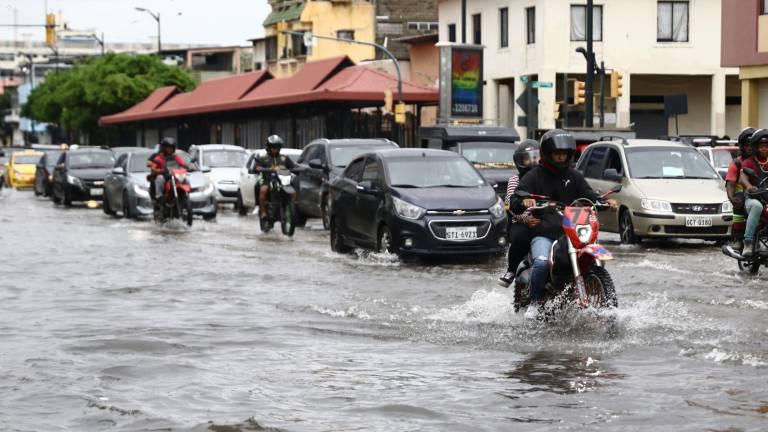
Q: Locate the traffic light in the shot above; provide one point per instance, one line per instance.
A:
(579, 92)
(616, 84)
(400, 113)
(50, 29)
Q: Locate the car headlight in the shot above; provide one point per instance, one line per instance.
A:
(584, 232)
(140, 191)
(73, 180)
(656, 205)
(498, 209)
(408, 210)
(726, 207)
(207, 189)
(50, 177)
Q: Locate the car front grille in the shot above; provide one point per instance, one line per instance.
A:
(458, 212)
(715, 230)
(228, 194)
(696, 208)
(438, 228)
(93, 183)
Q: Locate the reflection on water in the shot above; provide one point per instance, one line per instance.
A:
(559, 373)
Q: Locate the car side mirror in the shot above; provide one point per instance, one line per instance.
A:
(317, 164)
(612, 175)
(205, 169)
(118, 171)
(367, 187)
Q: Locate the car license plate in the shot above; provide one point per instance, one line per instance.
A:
(460, 233)
(97, 192)
(698, 221)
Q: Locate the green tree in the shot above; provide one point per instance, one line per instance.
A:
(74, 99)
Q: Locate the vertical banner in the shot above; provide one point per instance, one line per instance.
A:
(466, 82)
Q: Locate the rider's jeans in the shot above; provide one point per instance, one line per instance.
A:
(754, 210)
(159, 187)
(540, 248)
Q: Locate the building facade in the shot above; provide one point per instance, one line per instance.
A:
(745, 45)
(396, 19)
(662, 48)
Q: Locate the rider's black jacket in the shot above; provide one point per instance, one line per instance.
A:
(268, 162)
(562, 187)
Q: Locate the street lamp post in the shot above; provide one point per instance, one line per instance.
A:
(156, 16)
(396, 128)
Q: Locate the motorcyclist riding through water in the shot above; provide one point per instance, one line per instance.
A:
(525, 158)
(555, 178)
(271, 161)
(758, 164)
(736, 192)
(157, 163)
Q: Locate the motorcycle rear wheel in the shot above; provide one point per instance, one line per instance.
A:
(601, 292)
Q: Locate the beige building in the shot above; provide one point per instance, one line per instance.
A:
(662, 48)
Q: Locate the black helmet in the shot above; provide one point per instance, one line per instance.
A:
(274, 141)
(526, 156)
(760, 136)
(168, 142)
(743, 139)
(558, 139)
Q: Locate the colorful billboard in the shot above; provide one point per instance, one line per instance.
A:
(466, 82)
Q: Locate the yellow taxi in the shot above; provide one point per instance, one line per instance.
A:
(20, 169)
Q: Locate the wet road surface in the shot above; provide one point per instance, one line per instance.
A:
(110, 324)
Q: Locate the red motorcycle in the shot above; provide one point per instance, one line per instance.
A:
(576, 271)
(175, 202)
(753, 262)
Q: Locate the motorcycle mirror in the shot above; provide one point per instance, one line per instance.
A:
(522, 194)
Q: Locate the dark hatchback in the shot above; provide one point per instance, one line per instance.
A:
(322, 161)
(415, 202)
(79, 175)
(44, 172)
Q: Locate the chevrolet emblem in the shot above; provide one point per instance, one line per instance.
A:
(459, 213)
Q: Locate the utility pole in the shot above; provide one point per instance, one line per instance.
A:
(590, 92)
(602, 94)
(464, 21)
(156, 17)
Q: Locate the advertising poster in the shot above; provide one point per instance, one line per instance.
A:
(466, 82)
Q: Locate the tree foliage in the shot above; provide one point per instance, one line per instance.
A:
(76, 98)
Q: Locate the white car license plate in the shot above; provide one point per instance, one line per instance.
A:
(698, 221)
(460, 233)
(97, 192)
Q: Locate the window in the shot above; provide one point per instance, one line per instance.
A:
(476, 21)
(346, 34)
(315, 152)
(765, 7)
(579, 23)
(530, 24)
(672, 21)
(271, 48)
(614, 161)
(595, 161)
(451, 32)
(422, 25)
(504, 27)
(372, 172)
(355, 170)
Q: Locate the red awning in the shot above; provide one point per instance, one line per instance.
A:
(334, 79)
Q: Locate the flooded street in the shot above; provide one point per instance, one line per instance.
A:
(109, 324)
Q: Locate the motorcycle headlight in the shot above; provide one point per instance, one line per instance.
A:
(73, 180)
(181, 177)
(140, 191)
(498, 209)
(584, 232)
(726, 207)
(408, 210)
(656, 205)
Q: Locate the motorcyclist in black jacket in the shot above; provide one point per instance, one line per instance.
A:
(555, 178)
(272, 161)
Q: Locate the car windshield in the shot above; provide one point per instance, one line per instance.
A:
(138, 162)
(342, 155)
(673, 162)
(724, 157)
(26, 160)
(224, 158)
(492, 154)
(433, 172)
(91, 159)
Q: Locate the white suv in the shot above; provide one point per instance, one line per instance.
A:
(224, 161)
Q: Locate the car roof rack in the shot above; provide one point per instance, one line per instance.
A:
(621, 139)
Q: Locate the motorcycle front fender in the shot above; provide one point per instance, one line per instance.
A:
(598, 252)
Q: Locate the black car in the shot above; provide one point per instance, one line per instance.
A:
(44, 172)
(79, 175)
(489, 149)
(416, 202)
(322, 161)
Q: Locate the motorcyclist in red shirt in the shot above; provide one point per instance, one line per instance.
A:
(157, 164)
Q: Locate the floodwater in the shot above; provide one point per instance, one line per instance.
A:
(118, 325)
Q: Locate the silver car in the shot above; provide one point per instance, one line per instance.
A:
(669, 190)
(221, 163)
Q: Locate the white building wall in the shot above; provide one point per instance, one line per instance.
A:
(629, 45)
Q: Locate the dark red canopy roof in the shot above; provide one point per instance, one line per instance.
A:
(334, 79)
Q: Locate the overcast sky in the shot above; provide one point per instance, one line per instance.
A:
(218, 22)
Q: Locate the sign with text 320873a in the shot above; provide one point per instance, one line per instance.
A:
(466, 82)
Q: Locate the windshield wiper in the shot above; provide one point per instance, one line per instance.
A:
(449, 186)
(406, 186)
